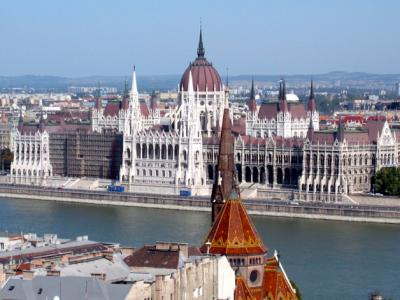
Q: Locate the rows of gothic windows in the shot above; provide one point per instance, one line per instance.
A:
(24, 172)
(261, 157)
(156, 152)
(156, 173)
(263, 175)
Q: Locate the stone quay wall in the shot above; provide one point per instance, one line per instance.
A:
(311, 210)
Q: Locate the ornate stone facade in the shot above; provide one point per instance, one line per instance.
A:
(31, 163)
(279, 145)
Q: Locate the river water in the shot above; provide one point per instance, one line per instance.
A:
(327, 259)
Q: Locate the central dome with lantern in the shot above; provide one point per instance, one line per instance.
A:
(205, 77)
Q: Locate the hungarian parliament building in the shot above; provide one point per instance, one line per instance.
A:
(278, 145)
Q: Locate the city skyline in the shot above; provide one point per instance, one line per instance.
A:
(95, 38)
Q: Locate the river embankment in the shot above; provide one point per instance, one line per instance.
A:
(288, 209)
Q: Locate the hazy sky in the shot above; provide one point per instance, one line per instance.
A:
(96, 37)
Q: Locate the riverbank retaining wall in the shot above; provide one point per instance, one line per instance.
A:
(312, 210)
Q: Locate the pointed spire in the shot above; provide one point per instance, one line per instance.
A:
(134, 89)
(200, 48)
(252, 94)
(312, 90)
(190, 83)
(312, 105)
(252, 104)
(224, 182)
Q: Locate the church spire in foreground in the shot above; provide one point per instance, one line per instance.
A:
(224, 182)
(234, 235)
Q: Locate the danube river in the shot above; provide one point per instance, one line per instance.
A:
(327, 260)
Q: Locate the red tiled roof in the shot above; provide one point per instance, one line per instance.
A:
(354, 138)
(149, 256)
(275, 282)
(293, 142)
(239, 126)
(242, 291)
(233, 232)
(144, 110)
(322, 137)
(112, 109)
(59, 128)
(268, 110)
(374, 129)
(213, 140)
(297, 110)
(251, 140)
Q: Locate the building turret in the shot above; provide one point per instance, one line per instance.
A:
(252, 104)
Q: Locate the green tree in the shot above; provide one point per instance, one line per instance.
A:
(388, 181)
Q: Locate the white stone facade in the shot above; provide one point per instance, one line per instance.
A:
(31, 164)
(169, 155)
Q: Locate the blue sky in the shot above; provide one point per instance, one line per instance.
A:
(96, 37)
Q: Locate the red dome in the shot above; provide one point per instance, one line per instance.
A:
(204, 75)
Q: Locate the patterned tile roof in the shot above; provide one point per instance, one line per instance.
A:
(233, 232)
(276, 284)
(242, 291)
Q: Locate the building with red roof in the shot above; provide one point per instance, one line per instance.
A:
(283, 117)
(234, 235)
(277, 145)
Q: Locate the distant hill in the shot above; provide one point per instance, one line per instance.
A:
(160, 82)
(331, 76)
(170, 82)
